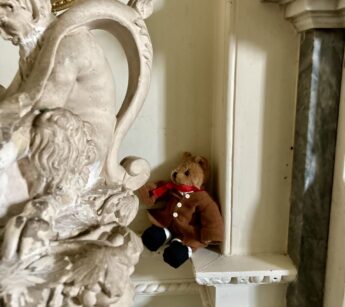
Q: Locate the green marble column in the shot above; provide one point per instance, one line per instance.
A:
(320, 73)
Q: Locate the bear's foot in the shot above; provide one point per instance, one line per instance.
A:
(176, 254)
(154, 237)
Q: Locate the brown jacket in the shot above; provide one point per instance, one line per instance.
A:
(194, 218)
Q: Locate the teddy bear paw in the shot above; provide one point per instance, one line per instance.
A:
(154, 237)
(176, 254)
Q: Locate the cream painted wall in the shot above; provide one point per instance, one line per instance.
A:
(8, 62)
(177, 113)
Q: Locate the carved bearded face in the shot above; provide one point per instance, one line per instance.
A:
(20, 18)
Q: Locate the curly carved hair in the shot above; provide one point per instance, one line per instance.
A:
(40, 9)
(62, 150)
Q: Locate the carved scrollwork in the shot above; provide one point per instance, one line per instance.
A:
(166, 288)
(246, 280)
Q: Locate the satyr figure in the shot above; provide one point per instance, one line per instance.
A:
(58, 121)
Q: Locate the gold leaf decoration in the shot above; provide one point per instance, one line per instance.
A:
(59, 5)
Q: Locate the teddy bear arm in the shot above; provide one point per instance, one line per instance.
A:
(146, 195)
(212, 225)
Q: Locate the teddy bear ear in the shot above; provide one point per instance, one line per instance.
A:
(202, 162)
(186, 156)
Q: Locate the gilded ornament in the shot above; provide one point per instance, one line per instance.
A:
(59, 5)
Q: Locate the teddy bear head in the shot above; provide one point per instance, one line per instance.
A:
(193, 171)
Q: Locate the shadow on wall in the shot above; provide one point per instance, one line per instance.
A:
(265, 144)
(272, 124)
(182, 37)
(182, 34)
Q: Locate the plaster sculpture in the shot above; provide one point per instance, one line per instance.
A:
(69, 245)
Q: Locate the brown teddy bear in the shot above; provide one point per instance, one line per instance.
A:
(190, 219)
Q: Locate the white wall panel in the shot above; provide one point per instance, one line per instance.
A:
(264, 109)
(251, 296)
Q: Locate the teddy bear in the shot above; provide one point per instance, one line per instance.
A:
(190, 218)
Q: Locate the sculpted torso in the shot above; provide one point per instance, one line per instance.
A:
(62, 66)
(59, 118)
(81, 82)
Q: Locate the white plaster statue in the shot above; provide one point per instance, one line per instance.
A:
(69, 245)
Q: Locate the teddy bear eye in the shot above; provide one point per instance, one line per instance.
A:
(187, 173)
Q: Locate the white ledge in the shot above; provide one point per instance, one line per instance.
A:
(312, 14)
(208, 268)
(212, 269)
(153, 276)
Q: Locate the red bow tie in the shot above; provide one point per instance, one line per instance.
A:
(161, 190)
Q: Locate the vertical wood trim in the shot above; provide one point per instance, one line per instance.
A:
(207, 296)
(223, 112)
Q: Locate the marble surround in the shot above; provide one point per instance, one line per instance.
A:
(319, 87)
(320, 73)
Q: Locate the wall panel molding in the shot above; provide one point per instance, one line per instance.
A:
(213, 269)
(313, 14)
